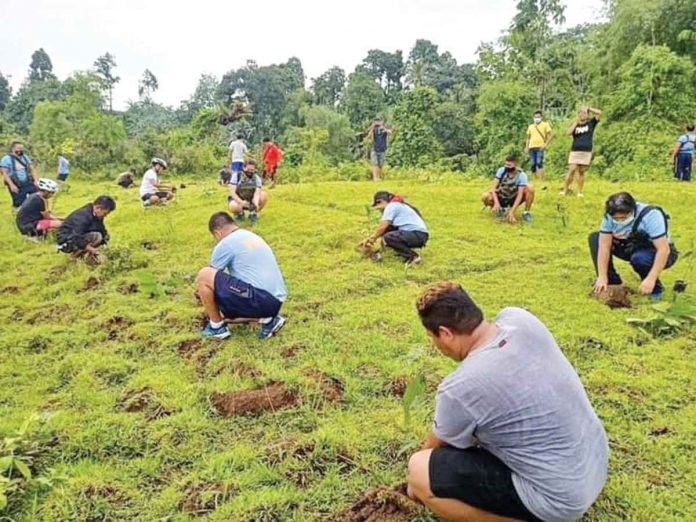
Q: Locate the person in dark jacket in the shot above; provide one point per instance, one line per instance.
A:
(83, 230)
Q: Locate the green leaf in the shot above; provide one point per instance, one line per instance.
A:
(3, 501)
(22, 468)
(5, 463)
(415, 389)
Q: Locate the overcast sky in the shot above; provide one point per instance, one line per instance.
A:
(179, 41)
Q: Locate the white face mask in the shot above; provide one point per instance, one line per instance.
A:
(629, 219)
(537, 120)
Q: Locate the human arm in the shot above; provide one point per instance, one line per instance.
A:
(31, 171)
(570, 130)
(549, 139)
(431, 441)
(379, 232)
(511, 218)
(661, 257)
(368, 133)
(596, 112)
(8, 180)
(496, 201)
(605, 242)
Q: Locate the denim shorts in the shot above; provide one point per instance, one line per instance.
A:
(536, 158)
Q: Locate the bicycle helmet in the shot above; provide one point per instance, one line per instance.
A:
(48, 185)
(159, 161)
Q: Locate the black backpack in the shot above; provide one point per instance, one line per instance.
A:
(640, 240)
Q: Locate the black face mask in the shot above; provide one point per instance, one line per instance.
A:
(509, 169)
(20, 153)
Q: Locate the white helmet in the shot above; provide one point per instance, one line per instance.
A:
(48, 185)
(158, 161)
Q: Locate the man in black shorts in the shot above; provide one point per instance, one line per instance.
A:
(514, 434)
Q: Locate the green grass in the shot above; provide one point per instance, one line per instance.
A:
(75, 350)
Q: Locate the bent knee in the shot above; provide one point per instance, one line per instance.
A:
(206, 276)
(419, 474)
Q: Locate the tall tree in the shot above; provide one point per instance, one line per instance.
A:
(328, 86)
(5, 91)
(147, 85)
(105, 65)
(423, 61)
(362, 100)
(388, 69)
(41, 67)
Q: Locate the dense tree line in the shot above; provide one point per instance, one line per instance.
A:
(638, 66)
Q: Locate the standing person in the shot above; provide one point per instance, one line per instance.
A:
(637, 233)
(272, 158)
(580, 156)
(237, 153)
(126, 179)
(378, 133)
(401, 228)
(18, 174)
(514, 434)
(83, 231)
(63, 167)
(152, 191)
(510, 189)
(539, 136)
(246, 193)
(252, 286)
(683, 154)
(34, 218)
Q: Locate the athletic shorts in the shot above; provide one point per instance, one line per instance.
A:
(237, 166)
(377, 158)
(477, 478)
(236, 299)
(161, 195)
(578, 157)
(62, 177)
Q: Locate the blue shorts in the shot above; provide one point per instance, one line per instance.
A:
(536, 157)
(63, 177)
(237, 166)
(236, 299)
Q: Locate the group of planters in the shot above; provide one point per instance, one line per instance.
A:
(514, 434)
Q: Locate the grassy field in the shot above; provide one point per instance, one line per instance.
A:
(106, 365)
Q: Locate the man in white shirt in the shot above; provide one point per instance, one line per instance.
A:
(237, 151)
(152, 191)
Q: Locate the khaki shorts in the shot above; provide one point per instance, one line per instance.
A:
(579, 158)
(377, 158)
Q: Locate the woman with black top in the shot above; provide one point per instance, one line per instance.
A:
(580, 156)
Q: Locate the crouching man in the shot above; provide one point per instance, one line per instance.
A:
(514, 435)
(253, 286)
(511, 188)
(83, 231)
(34, 218)
(152, 190)
(246, 193)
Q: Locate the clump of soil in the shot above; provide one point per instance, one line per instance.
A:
(659, 431)
(149, 245)
(12, 290)
(187, 349)
(201, 498)
(91, 283)
(273, 396)
(194, 351)
(246, 370)
(397, 387)
(591, 342)
(116, 325)
(291, 350)
(615, 296)
(332, 389)
(128, 289)
(143, 401)
(380, 505)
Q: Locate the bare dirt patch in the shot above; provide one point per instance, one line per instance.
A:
(11, 290)
(397, 387)
(128, 289)
(291, 350)
(380, 505)
(143, 401)
(332, 388)
(271, 397)
(202, 498)
(116, 326)
(615, 296)
(91, 283)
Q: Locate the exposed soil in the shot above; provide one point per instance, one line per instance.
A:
(128, 289)
(195, 351)
(615, 296)
(188, 348)
(591, 342)
(273, 396)
(291, 350)
(397, 387)
(12, 290)
(143, 401)
(246, 370)
(91, 283)
(201, 498)
(331, 387)
(380, 505)
(659, 431)
(116, 326)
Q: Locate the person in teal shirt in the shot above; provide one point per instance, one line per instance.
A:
(18, 174)
(683, 154)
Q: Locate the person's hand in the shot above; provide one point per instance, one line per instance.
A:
(542, 148)
(245, 204)
(510, 217)
(14, 189)
(496, 207)
(601, 285)
(647, 286)
(369, 242)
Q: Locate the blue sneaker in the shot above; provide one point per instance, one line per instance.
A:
(271, 328)
(253, 217)
(239, 217)
(215, 333)
(527, 217)
(656, 296)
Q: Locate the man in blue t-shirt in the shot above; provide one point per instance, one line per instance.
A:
(637, 233)
(242, 281)
(401, 228)
(246, 193)
(63, 167)
(18, 174)
(511, 188)
(683, 154)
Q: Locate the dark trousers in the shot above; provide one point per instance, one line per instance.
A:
(24, 191)
(641, 261)
(403, 242)
(682, 167)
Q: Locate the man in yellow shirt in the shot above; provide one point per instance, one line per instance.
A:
(539, 135)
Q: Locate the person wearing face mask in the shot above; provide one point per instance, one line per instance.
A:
(539, 136)
(401, 228)
(637, 233)
(83, 231)
(242, 281)
(18, 174)
(580, 156)
(246, 193)
(511, 188)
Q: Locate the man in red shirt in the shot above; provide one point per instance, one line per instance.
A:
(272, 157)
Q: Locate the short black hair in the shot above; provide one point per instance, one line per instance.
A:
(446, 304)
(511, 157)
(12, 145)
(690, 127)
(620, 202)
(219, 220)
(266, 140)
(250, 161)
(105, 202)
(538, 112)
(240, 136)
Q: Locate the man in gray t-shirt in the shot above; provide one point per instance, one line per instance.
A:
(514, 432)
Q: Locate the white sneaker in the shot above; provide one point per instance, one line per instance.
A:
(581, 195)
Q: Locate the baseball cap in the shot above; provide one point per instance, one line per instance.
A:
(381, 195)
